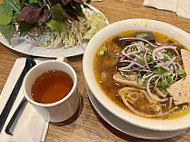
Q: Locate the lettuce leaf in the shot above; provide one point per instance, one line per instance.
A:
(25, 27)
(13, 5)
(57, 13)
(57, 25)
(5, 14)
(7, 31)
(40, 2)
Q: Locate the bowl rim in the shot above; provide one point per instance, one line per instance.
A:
(158, 124)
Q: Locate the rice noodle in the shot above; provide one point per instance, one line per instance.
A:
(160, 93)
(142, 114)
(131, 96)
(170, 103)
(125, 90)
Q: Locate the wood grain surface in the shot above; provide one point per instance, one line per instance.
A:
(86, 125)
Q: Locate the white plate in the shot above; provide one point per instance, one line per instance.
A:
(128, 128)
(23, 46)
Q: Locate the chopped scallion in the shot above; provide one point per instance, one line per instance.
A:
(181, 72)
(104, 48)
(112, 57)
(185, 108)
(101, 52)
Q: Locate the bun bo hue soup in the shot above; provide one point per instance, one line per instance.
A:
(145, 73)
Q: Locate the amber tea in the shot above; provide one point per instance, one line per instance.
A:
(51, 86)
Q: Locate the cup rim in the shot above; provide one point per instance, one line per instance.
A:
(54, 103)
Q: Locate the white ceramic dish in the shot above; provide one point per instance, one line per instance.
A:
(118, 27)
(128, 128)
(26, 47)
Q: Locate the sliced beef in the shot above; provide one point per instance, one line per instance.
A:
(121, 43)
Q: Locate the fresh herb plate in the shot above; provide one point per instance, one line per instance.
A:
(25, 46)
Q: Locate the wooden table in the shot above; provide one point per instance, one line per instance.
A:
(87, 125)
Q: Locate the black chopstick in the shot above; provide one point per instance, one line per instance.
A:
(12, 120)
(7, 108)
(88, 1)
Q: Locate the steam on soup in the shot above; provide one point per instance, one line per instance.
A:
(145, 73)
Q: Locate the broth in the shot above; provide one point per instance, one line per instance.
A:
(105, 66)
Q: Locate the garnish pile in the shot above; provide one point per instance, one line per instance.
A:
(48, 22)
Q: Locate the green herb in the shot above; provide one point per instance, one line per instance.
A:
(40, 2)
(57, 25)
(142, 62)
(139, 74)
(56, 13)
(149, 58)
(185, 108)
(176, 60)
(143, 35)
(143, 52)
(141, 83)
(112, 57)
(152, 65)
(168, 53)
(31, 14)
(181, 72)
(7, 31)
(149, 46)
(132, 56)
(159, 85)
(106, 52)
(169, 77)
(13, 5)
(165, 58)
(134, 48)
(124, 73)
(25, 27)
(104, 48)
(163, 84)
(160, 70)
(5, 14)
(154, 79)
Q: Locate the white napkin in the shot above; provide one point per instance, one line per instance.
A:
(181, 7)
(30, 126)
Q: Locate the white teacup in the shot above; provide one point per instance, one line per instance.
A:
(62, 109)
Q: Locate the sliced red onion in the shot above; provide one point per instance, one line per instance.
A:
(161, 48)
(179, 65)
(147, 76)
(176, 73)
(156, 98)
(126, 70)
(171, 61)
(145, 59)
(127, 67)
(154, 61)
(136, 63)
(144, 70)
